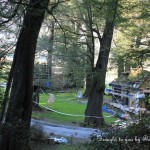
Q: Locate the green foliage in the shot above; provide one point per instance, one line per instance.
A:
(67, 59)
(1, 96)
(135, 137)
(37, 133)
(40, 74)
(43, 146)
(131, 37)
(3, 78)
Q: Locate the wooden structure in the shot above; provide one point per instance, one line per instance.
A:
(131, 90)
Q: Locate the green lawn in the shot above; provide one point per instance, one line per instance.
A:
(65, 103)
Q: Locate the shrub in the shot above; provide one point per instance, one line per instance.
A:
(135, 137)
(37, 133)
(1, 97)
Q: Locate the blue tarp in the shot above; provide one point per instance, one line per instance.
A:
(108, 90)
(104, 108)
(47, 84)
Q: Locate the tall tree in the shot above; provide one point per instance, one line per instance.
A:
(46, 43)
(15, 129)
(93, 111)
(69, 51)
(90, 43)
(50, 50)
(132, 36)
(84, 16)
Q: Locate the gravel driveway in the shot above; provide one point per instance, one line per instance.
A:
(66, 131)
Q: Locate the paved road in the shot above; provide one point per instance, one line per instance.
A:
(67, 131)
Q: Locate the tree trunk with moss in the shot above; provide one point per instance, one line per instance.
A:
(15, 130)
(93, 111)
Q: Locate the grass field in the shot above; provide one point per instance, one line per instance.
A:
(65, 103)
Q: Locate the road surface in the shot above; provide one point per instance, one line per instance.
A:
(65, 131)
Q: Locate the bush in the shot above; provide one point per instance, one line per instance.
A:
(39, 139)
(134, 137)
(37, 133)
(1, 97)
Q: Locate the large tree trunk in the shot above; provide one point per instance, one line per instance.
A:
(120, 66)
(127, 65)
(15, 133)
(50, 50)
(89, 72)
(93, 111)
(36, 97)
(87, 85)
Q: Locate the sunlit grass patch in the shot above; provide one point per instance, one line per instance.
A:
(66, 108)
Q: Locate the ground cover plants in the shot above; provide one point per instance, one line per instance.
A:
(134, 137)
(1, 96)
(39, 140)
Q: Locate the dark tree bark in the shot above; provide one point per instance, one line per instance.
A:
(127, 65)
(15, 130)
(36, 94)
(88, 85)
(36, 98)
(93, 111)
(6, 95)
(120, 64)
(89, 72)
(50, 50)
